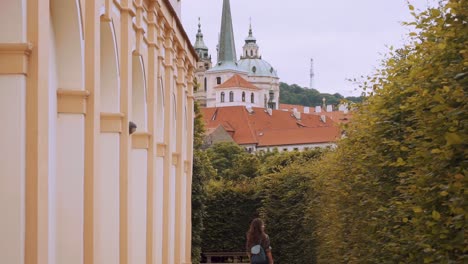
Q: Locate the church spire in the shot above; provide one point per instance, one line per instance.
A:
(250, 38)
(227, 49)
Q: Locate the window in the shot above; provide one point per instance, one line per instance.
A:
(246, 53)
(285, 149)
(243, 96)
(251, 52)
(252, 98)
(204, 84)
(231, 96)
(296, 149)
(218, 80)
(222, 97)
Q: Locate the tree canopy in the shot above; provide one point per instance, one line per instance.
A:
(296, 95)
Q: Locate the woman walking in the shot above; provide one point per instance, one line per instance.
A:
(258, 243)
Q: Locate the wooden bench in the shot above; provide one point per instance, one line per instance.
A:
(232, 257)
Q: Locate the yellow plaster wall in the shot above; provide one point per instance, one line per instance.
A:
(70, 181)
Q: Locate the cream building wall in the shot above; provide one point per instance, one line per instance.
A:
(75, 185)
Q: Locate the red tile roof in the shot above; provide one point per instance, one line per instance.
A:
(237, 81)
(337, 116)
(281, 128)
(299, 108)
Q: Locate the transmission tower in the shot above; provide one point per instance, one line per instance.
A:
(312, 74)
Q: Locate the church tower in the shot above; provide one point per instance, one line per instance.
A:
(226, 66)
(250, 49)
(200, 47)
(203, 64)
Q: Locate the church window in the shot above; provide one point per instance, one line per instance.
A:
(251, 52)
(218, 80)
(204, 84)
(243, 96)
(271, 69)
(252, 98)
(231, 96)
(222, 97)
(254, 69)
(246, 53)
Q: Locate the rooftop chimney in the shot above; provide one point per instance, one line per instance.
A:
(296, 114)
(323, 118)
(249, 109)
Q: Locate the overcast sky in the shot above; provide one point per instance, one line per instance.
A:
(346, 38)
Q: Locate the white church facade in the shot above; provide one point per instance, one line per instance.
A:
(213, 80)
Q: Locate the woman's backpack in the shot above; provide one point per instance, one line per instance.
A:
(258, 255)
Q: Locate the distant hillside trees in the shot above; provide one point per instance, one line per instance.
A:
(294, 94)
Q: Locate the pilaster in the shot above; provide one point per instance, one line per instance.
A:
(92, 120)
(126, 16)
(189, 167)
(168, 138)
(180, 85)
(152, 84)
(37, 134)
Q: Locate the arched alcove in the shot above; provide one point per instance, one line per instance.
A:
(109, 71)
(160, 111)
(174, 122)
(66, 141)
(139, 115)
(68, 37)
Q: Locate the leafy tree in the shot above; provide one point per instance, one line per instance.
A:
(285, 196)
(202, 173)
(395, 189)
(230, 208)
(231, 161)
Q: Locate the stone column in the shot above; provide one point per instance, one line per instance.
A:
(126, 16)
(167, 247)
(15, 50)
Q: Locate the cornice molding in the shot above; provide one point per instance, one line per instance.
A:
(72, 101)
(14, 58)
(140, 140)
(111, 122)
(161, 149)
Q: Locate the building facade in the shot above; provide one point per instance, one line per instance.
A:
(76, 185)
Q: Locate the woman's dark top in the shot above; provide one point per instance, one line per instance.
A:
(265, 243)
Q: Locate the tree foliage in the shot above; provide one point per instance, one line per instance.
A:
(231, 205)
(232, 162)
(202, 173)
(395, 189)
